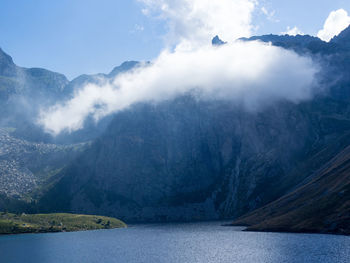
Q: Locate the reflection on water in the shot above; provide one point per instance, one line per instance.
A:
(193, 242)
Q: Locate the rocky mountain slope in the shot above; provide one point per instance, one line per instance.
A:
(26, 165)
(321, 204)
(30, 158)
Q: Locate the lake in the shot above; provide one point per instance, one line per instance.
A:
(180, 243)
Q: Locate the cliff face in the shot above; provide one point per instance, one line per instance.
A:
(188, 160)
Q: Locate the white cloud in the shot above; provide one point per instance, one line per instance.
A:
(264, 10)
(139, 27)
(336, 22)
(197, 21)
(250, 73)
(269, 14)
(292, 31)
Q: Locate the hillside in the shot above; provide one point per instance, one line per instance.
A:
(320, 205)
(25, 166)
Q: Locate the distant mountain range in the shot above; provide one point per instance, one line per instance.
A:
(30, 158)
(282, 169)
(24, 91)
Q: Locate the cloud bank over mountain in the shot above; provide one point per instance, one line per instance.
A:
(336, 22)
(292, 31)
(252, 74)
(194, 22)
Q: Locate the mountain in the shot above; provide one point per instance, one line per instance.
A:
(343, 38)
(217, 41)
(126, 66)
(320, 205)
(84, 79)
(333, 57)
(185, 159)
(30, 158)
(300, 43)
(25, 166)
(7, 67)
(34, 82)
(24, 91)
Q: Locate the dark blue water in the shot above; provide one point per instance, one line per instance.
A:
(197, 242)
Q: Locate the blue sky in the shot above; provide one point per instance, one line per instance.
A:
(308, 15)
(90, 36)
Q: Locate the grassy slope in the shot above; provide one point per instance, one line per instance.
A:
(36, 223)
(320, 206)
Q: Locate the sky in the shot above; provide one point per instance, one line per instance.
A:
(75, 37)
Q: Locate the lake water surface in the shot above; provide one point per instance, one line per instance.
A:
(180, 243)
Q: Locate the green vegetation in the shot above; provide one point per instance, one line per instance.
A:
(42, 223)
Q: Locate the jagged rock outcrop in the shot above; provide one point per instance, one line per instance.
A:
(7, 67)
(217, 41)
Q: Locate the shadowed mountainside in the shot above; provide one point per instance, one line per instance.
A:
(186, 159)
(321, 204)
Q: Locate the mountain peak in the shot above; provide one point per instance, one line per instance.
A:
(343, 37)
(127, 65)
(217, 41)
(7, 67)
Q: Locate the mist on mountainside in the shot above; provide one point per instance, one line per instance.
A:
(208, 129)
